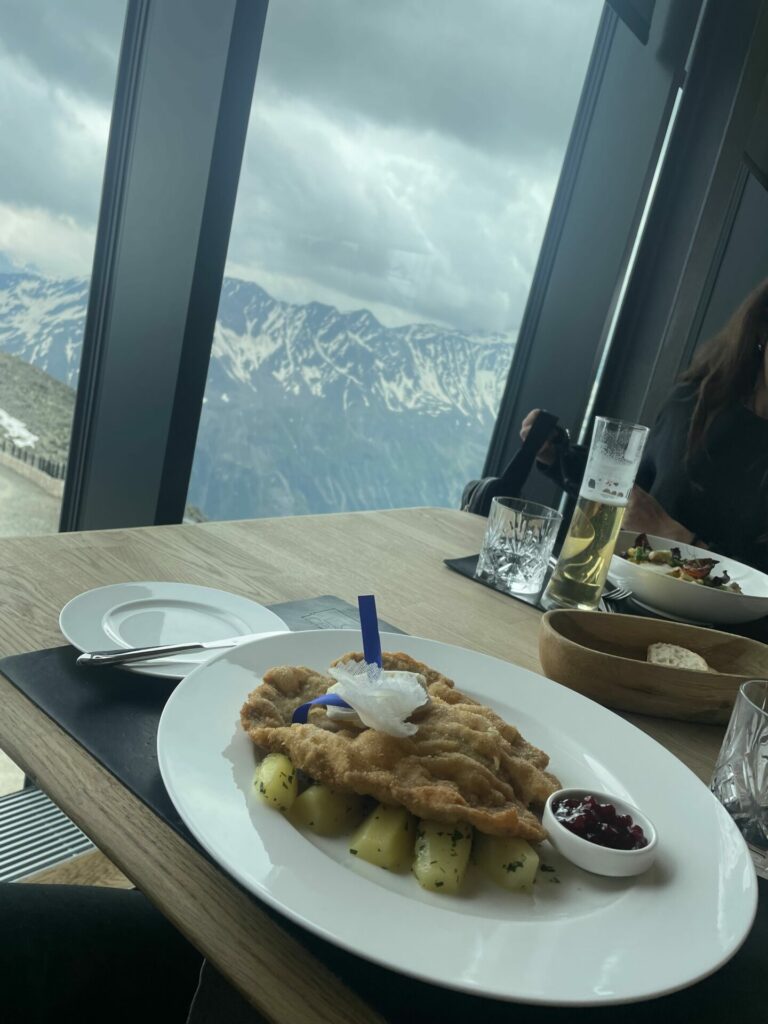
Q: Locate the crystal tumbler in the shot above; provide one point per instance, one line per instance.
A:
(517, 546)
(740, 781)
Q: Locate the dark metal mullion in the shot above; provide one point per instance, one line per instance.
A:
(728, 182)
(226, 162)
(719, 249)
(638, 21)
(620, 127)
(180, 117)
(698, 198)
(498, 450)
(629, 263)
(100, 289)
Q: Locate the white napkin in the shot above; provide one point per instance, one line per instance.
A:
(381, 700)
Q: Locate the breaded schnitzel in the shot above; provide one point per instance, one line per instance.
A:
(464, 764)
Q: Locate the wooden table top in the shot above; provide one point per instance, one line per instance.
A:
(396, 554)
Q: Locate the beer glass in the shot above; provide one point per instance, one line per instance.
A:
(614, 457)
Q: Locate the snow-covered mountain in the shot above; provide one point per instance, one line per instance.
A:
(307, 409)
(42, 322)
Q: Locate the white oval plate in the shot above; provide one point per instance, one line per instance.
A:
(654, 588)
(587, 940)
(149, 613)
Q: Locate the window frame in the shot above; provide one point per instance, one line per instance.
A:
(627, 83)
(699, 200)
(150, 321)
(182, 101)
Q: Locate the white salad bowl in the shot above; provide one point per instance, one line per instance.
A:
(600, 860)
(652, 586)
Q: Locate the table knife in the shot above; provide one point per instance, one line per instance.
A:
(124, 655)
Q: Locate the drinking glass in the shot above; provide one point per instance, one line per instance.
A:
(740, 780)
(517, 545)
(612, 464)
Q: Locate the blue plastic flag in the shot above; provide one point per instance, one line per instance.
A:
(369, 624)
(301, 714)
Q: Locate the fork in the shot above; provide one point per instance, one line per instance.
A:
(617, 594)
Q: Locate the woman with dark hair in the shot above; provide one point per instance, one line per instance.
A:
(703, 479)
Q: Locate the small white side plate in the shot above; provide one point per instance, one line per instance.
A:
(148, 613)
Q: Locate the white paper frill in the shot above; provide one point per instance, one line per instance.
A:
(380, 700)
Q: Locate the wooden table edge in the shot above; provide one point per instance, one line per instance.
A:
(247, 946)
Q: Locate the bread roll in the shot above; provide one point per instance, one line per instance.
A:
(676, 657)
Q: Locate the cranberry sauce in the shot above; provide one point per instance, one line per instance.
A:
(599, 823)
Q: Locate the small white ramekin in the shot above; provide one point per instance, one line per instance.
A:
(600, 860)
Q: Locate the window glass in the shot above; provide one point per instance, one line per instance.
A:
(58, 63)
(400, 166)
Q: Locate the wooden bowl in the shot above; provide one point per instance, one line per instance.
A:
(604, 657)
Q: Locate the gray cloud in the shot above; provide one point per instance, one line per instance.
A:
(58, 62)
(54, 148)
(69, 43)
(501, 75)
(421, 224)
(401, 155)
(405, 154)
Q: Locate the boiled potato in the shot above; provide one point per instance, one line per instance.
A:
(275, 781)
(511, 863)
(386, 838)
(441, 855)
(326, 811)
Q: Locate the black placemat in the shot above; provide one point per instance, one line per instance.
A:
(115, 718)
(114, 713)
(627, 606)
(466, 567)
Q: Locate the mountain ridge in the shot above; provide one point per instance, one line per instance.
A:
(307, 409)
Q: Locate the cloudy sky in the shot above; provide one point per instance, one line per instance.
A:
(401, 154)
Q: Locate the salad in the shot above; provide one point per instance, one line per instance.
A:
(692, 570)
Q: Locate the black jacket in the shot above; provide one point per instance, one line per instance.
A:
(721, 496)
